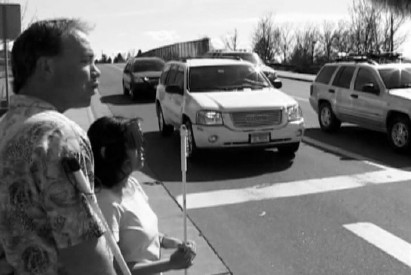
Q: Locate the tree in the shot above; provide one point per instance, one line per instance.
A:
(286, 41)
(119, 58)
(266, 39)
(231, 42)
(326, 37)
(397, 6)
(370, 33)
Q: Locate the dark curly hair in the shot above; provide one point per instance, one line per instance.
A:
(110, 133)
(42, 38)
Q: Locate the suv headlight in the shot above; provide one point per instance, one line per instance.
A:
(209, 118)
(294, 112)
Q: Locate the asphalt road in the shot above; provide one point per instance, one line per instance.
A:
(341, 206)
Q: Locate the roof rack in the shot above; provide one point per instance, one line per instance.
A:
(372, 58)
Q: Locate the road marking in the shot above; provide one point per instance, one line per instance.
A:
(301, 98)
(293, 189)
(384, 240)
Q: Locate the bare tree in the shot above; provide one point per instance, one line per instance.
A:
(370, 33)
(398, 6)
(326, 37)
(231, 42)
(286, 41)
(266, 39)
(343, 38)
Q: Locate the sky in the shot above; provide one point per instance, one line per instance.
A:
(129, 25)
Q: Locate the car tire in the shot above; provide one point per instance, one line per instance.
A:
(165, 129)
(126, 92)
(327, 119)
(191, 144)
(288, 149)
(399, 132)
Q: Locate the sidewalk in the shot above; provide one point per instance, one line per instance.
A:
(169, 213)
(296, 76)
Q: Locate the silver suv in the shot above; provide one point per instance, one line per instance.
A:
(363, 92)
(226, 103)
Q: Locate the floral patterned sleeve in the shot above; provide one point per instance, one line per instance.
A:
(68, 212)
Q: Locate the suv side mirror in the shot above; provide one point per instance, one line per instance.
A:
(370, 88)
(174, 89)
(276, 83)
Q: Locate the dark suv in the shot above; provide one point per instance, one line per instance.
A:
(140, 76)
(255, 59)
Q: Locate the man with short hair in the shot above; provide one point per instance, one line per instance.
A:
(46, 223)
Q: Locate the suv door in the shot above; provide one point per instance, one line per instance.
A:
(368, 102)
(341, 87)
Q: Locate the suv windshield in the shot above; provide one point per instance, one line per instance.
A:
(396, 78)
(148, 65)
(228, 77)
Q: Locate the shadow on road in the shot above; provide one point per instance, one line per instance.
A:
(371, 145)
(125, 100)
(163, 158)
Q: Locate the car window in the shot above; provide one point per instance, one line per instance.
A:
(148, 65)
(324, 76)
(226, 77)
(364, 76)
(179, 78)
(344, 76)
(395, 78)
(164, 74)
(171, 75)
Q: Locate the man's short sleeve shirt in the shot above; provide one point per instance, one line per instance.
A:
(41, 210)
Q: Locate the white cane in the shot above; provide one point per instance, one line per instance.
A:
(183, 135)
(72, 166)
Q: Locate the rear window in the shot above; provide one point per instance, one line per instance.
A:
(324, 76)
(344, 77)
(148, 65)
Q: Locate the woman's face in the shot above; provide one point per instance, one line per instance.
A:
(136, 158)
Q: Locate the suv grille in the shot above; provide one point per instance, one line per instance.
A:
(256, 119)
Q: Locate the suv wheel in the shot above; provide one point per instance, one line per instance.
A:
(328, 121)
(191, 144)
(165, 129)
(125, 91)
(288, 149)
(399, 133)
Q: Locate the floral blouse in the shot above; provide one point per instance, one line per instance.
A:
(41, 210)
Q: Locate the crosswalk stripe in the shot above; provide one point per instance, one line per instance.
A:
(292, 189)
(384, 240)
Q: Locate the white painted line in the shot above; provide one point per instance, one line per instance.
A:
(301, 98)
(384, 240)
(293, 189)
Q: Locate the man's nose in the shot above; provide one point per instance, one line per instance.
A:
(96, 72)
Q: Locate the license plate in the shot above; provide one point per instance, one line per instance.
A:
(259, 137)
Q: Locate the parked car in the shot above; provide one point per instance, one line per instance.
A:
(226, 103)
(140, 76)
(252, 57)
(372, 95)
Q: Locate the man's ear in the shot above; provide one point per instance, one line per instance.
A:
(45, 66)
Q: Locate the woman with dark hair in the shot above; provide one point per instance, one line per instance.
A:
(117, 145)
